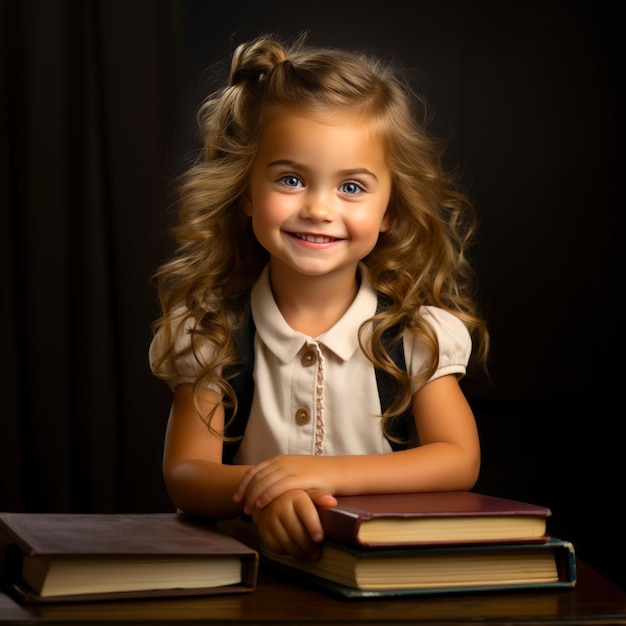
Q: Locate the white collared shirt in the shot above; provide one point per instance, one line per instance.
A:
(319, 395)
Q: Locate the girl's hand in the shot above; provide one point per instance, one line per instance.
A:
(290, 525)
(272, 478)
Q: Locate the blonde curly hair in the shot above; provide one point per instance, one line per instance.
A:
(420, 260)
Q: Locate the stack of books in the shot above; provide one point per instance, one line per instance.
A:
(430, 543)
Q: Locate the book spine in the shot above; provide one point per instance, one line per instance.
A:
(565, 561)
(340, 527)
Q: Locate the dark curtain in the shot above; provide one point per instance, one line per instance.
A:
(88, 116)
(97, 105)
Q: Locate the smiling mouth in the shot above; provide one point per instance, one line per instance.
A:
(314, 238)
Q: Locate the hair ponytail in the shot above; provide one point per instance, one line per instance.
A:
(253, 61)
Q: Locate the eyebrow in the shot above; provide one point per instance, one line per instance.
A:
(343, 173)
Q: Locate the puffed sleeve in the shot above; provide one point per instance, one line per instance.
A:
(455, 344)
(186, 364)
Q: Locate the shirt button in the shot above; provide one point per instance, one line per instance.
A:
(302, 416)
(308, 358)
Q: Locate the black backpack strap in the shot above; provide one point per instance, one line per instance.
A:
(243, 384)
(402, 425)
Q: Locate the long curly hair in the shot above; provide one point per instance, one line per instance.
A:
(420, 260)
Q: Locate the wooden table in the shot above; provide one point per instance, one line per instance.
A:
(278, 602)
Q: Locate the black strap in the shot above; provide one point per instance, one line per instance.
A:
(243, 385)
(400, 426)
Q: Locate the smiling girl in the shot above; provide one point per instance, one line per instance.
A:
(320, 209)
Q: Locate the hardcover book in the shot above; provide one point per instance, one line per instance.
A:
(62, 557)
(354, 572)
(452, 517)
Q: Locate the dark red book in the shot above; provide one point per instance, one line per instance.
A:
(452, 517)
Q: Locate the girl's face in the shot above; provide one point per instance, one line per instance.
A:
(318, 194)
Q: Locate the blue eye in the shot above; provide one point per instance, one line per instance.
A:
(351, 188)
(290, 181)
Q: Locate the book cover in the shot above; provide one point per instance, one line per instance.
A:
(385, 520)
(115, 556)
(435, 570)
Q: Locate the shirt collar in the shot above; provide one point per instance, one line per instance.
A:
(285, 343)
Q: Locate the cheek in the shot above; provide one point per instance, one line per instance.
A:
(268, 215)
(273, 209)
(367, 224)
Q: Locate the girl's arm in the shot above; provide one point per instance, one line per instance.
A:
(195, 478)
(199, 484)
(447, 459)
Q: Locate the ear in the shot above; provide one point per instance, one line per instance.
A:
(386, 222)
(247, 203)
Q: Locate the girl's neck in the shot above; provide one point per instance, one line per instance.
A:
(313, 304)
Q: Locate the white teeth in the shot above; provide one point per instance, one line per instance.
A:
(314, 238)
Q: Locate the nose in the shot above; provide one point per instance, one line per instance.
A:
(317, 207)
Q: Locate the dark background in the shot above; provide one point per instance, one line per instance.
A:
(97, 117)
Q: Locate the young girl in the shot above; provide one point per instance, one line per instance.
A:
(320, 208)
